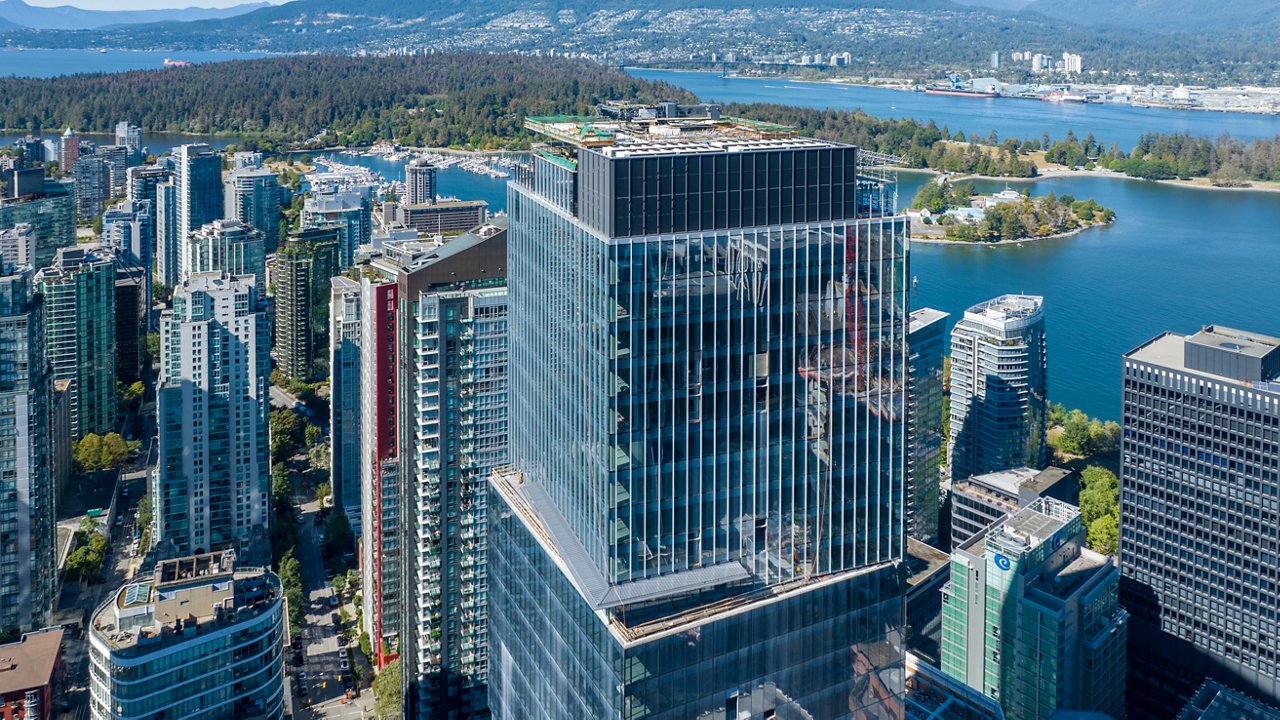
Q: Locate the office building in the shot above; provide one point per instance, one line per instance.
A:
(455, 302)
(80, 332)
(1031, 617)
(228, 246)
(117, 159)
(29, 669)
(707, 460)
(442, 217)
(200, 638)
(93, 186)
(350, 211)
(926, 413)
(50, 210)
(199, 196)
(253, 197)
(1214, 701)
(301, 274)
(998, 407)
(345, 314)
(419, 182)
(1199, 521)
(211, 489)
(68, 150)
(981, 500)
(132, 296)
(28, 568)
(18, 244)
(130, 137)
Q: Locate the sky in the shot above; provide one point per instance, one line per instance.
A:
(140, 4)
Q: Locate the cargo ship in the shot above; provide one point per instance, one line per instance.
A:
(958, 92)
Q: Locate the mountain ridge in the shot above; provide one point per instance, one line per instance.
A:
(1164, 15)
(69, 17)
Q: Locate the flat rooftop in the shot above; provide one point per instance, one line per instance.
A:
(1237, 341)
(1064, 583)
(924, 317)
(30, 662)
(1034, 524)
(629, 130)
(185, 598)
(923, 560)
(1008, 307)
(1214, 701)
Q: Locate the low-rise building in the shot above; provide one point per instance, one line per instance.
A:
(1214, 701)
(443, 217)
(29, 670)
(928, 569)
(983, 499)
(200, 639)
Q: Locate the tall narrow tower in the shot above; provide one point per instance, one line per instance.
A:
(998, 407)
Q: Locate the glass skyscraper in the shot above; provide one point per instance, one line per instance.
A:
(708, 371)
(926, 337)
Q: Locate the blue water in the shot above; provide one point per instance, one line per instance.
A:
(1023, 119)
(453, 182)
(50, 63)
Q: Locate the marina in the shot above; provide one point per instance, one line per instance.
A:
(493, 165)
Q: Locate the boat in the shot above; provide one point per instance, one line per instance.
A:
(102, 51)
(958, 92)
(176, 63)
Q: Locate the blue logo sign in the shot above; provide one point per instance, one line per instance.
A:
(1003, 562)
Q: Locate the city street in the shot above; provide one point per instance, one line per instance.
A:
(326, 679)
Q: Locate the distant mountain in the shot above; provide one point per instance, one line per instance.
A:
(1191, 16)
(1013, 5)
(66, 17)
(8, 25)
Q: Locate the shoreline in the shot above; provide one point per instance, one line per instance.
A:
(1017, 241)
(1259, 186)
(901, 88)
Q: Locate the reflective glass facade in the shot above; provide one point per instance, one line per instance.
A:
(708, 380)
(832, 649)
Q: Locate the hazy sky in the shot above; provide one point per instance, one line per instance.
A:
(140, 4)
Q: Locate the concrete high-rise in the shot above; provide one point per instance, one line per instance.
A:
(253, 197)
(199, 200)
(303, 268)
(80, 332)
(454, 419)
(228, 246)
(211, 489)
(708, 370)
(28, 565)
(345, 315)
(166, 208)
(1199, 520)
(926, 412)
(130, 137)
(93, 186)
(68, 150)
(117, 159)
(18, 244)
(998, 408)
(419, 182)
(1031, 617)
(350, 211)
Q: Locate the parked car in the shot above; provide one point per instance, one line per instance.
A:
(344, 664)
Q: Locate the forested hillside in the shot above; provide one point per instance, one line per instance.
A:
(463, 100)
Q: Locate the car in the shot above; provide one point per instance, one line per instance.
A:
(333, 601)
(302, 688)
(335, 618)
(344, 664)
(342, 653)
(328, 573)
(301, 519)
